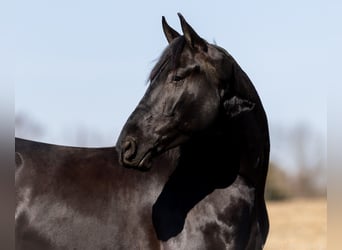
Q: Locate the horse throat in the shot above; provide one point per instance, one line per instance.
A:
(202, 167)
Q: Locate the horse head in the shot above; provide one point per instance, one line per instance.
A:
(191, 86)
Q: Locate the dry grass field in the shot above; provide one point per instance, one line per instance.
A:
(298, 225)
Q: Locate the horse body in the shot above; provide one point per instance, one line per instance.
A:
(200, 137)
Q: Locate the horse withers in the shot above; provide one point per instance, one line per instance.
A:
(200, 137)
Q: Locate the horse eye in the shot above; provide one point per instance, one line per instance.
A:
(177, 78)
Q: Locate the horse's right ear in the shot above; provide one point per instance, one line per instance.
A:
(170, 33)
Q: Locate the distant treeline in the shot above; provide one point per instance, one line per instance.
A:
(281, 185)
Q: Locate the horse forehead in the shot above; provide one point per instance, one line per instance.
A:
(213, 54)
(186, 56)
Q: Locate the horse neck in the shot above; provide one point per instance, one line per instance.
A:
(234, 145)
(252, 127)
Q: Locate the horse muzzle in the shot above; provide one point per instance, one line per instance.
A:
(131, 157)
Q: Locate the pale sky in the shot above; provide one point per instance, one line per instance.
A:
(83, 65)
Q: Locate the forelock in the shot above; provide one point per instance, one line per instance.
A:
(170, 56)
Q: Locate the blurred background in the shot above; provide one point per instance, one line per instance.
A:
(81, 68)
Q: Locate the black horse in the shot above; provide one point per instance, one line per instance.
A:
(200, 137)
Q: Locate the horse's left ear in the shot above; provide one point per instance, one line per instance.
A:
(191, 37)
(235, 106)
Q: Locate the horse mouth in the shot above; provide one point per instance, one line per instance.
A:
(146, 162)
(130, 157)
(159, 148)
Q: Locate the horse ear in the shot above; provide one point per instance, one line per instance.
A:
(235, 106)
(170, 33)
(191, 37)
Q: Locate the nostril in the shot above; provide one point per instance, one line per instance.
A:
(127, 145)
(129, 149)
